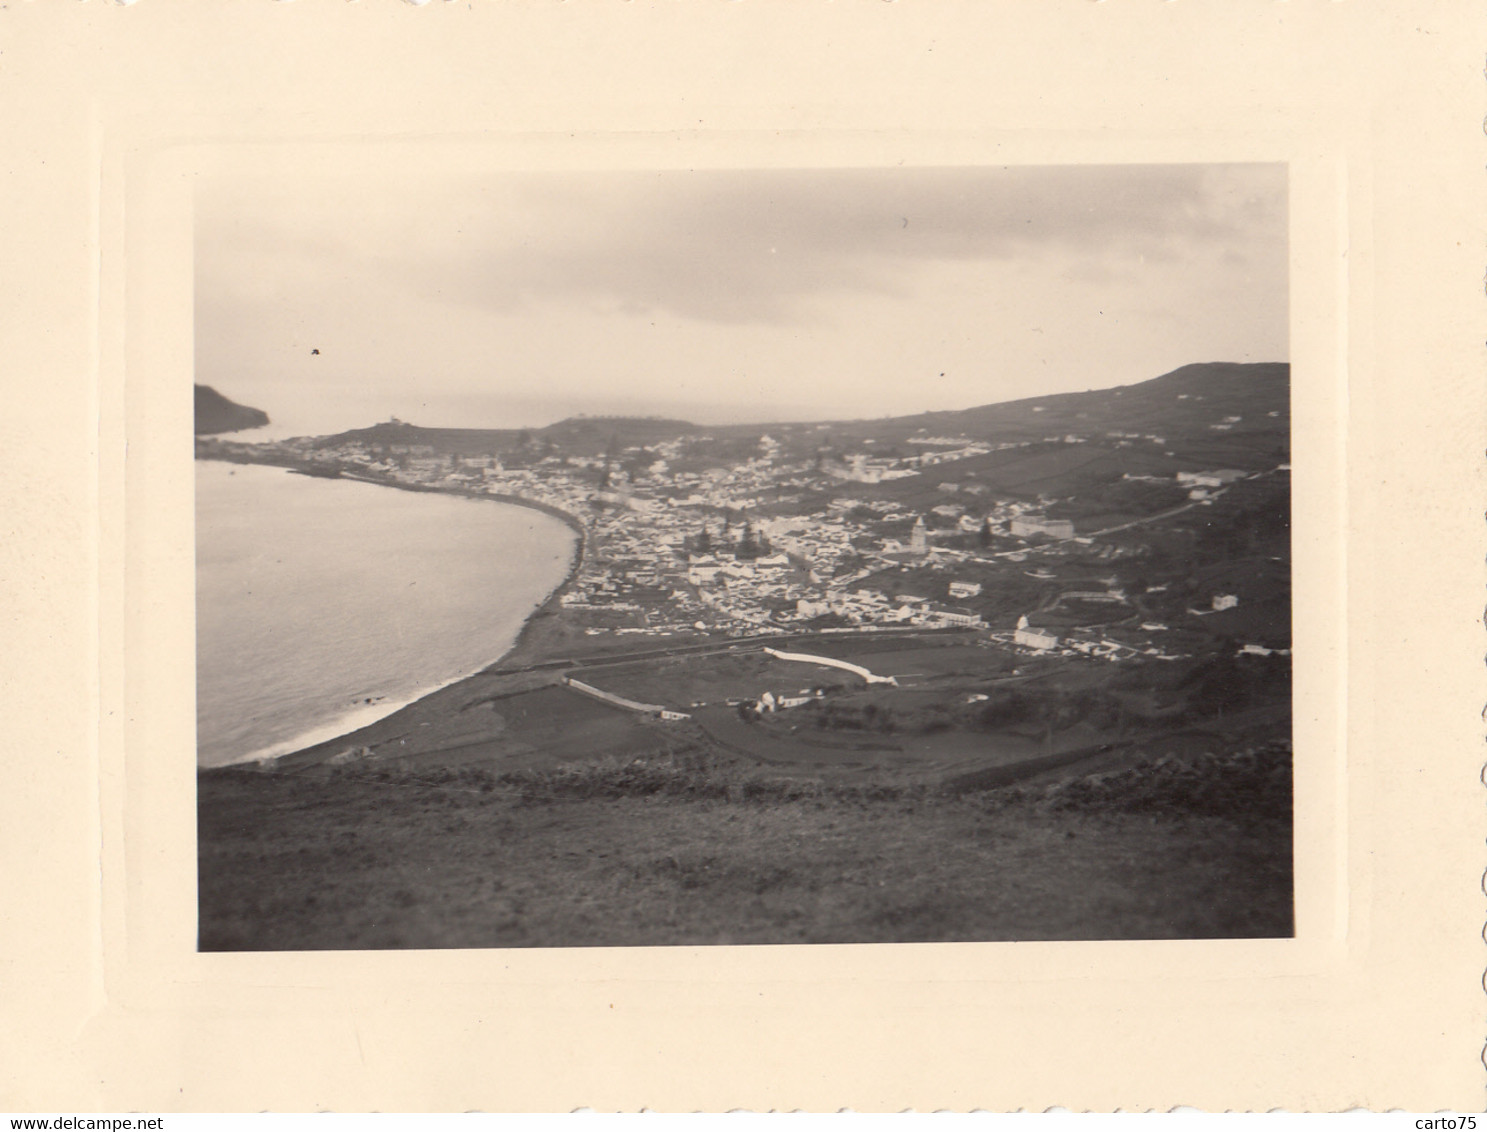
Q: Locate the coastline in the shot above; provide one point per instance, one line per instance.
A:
(358, 718)
(549, 604)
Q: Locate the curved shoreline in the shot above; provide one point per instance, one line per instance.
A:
(549, 603)
(567, 517)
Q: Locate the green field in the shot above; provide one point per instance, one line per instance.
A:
(638, 855)
(993, 794)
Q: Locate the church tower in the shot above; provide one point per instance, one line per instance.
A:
(918, 540)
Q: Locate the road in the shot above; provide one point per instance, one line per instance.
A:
(708, 648)
(1149, 519)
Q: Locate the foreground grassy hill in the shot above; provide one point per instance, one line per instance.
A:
(668, 852)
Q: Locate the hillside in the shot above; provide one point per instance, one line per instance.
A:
(215, 413)
(451, 441)
(663, 852)
(576, 436)
(1127, 778)
(1215, 414)
(1180, 404)
(594, 434)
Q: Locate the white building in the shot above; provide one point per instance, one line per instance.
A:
(1218, 478)
(964, 589)
(964, 620)
(793, 701)
(1024, 526)
(1034, 638)
(1105, 596)
(918, 537)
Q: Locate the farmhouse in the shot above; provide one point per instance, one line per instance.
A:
(1025, 526)
(793, 701)
(1210, 479)
(1032, 637)
(962, 620)
(1110, 596)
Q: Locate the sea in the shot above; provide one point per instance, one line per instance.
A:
(325, 604)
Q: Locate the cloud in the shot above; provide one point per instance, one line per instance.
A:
(845, 292)
(758, 246)
(740, 246)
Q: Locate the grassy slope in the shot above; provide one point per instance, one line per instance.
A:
(347, 862)
(614, 856)
(1180, 406)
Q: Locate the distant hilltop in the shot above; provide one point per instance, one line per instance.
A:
(1202, 410)
(575, 434)
(1192, 398)
(215, 413)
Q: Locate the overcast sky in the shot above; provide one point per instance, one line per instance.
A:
(518, 299)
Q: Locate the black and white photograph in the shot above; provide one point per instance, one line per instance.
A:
(742, 556)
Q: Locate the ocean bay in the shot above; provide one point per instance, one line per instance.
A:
(323, 604)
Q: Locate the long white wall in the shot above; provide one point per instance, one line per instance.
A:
(832, 662)
(619, 701)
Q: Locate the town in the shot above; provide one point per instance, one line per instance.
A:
(1085, 596)
(786, 530)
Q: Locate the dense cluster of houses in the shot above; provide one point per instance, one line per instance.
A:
(643, 571)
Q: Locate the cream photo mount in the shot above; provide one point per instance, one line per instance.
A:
(1377, 112)
(149, 771)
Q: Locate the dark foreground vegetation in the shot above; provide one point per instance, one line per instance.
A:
(687, 851)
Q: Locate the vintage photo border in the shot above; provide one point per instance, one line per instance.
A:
(1386, 873)
(1324, 934)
